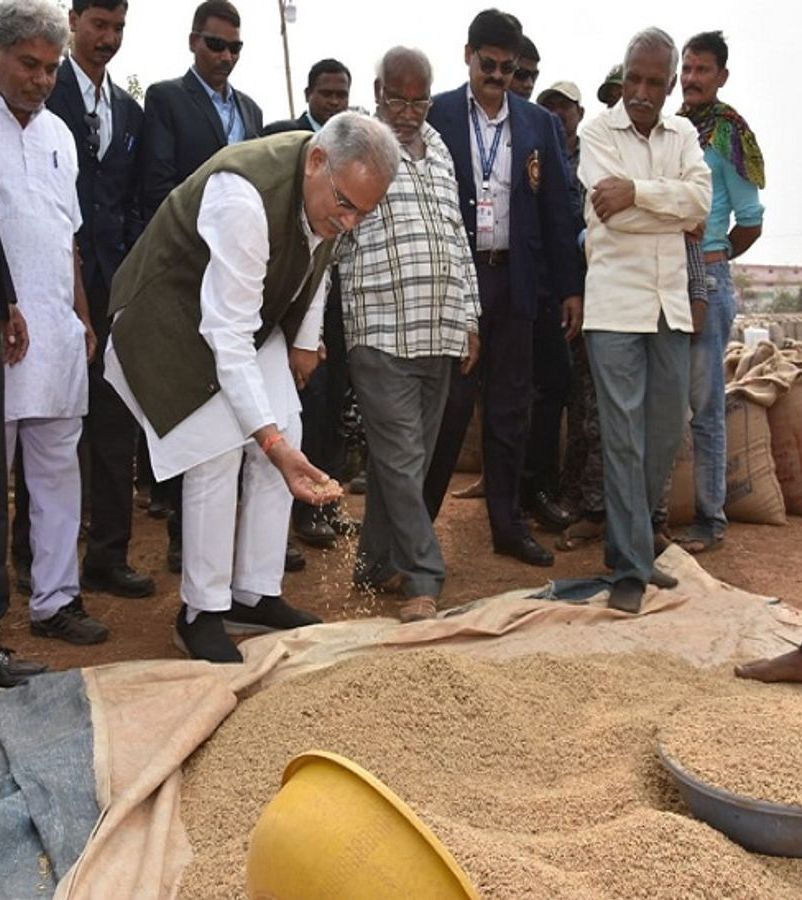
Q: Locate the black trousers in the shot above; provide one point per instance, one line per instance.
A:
(504, 377)
(109, 439)
(552, 377)
(323, 398)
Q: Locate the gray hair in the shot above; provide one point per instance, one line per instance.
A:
(25, 20)
(399, 59)
(654, 39)
(353, 137)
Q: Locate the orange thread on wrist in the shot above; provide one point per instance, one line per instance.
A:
(270, 441)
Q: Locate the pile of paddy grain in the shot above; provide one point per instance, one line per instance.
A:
(540, 774)
(750, 746)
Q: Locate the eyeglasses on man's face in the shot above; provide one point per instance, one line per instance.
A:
(521, 74)
(342, 201)
(218, 44)
(489, 65)
(397, 106)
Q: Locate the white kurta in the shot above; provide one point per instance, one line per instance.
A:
(257, 388)
(39, 216)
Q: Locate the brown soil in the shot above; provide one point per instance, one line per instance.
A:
(539, 774)
(763, 559)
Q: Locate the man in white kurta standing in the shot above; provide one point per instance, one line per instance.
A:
(218, 308)
(647, 184)
(46, 394)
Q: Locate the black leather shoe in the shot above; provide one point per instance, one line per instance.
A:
(17, 667)
(294, 559)
(121, 581)
(205, 638)
(269, 614)
(23, 572)
(626, 595)
(548, 512)
(72, 624)
(7, 680)
(527, 550)
(339, 521)
(662, 579)
(312, 528)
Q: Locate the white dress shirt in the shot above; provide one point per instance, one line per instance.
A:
(500, 175)
(39, 216)
(256, 387)
(636, 260)
(96, 102)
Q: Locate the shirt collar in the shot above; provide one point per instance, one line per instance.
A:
(210, 90)
(619, 118)
(87, 86)
(500, 116)
(4, 107)
(313, 121)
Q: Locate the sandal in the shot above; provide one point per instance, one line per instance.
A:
(417, 608)
(695, 543)
(580, 534)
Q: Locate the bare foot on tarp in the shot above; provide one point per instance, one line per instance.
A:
(787, 667)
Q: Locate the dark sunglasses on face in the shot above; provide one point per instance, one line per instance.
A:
(92, 122)
(489, 65)
(525, 75)
(218, 45)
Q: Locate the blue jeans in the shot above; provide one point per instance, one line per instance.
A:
(708, 423)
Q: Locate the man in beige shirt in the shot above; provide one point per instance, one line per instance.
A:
(647, 184)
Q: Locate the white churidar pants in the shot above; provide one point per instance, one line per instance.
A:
(225, 553)
(53, 476)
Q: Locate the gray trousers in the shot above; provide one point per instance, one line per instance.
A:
(402, 402)
(642, 393)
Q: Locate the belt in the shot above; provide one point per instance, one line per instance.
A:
(714, 256)
(493, 257)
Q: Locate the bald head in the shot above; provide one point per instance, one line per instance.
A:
(401, 62)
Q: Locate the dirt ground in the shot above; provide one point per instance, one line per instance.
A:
(763, 559)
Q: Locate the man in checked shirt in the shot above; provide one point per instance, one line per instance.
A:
(410, 305)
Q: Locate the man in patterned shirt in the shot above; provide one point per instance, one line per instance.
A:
(410, 305)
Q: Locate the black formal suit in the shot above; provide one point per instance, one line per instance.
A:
(182, 130)
(108, 191)
(7, 296)
(302, 123)
(541, 224)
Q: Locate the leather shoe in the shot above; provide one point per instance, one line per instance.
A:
(313, 529)
(294, 559)
(205, 638)
(339, 521)
(72, 624)
(121, 581)
(626, 595)
(269, 614)
(7, 680)
(662, 579)
(548, 512)
(527, 550)
(17, 667)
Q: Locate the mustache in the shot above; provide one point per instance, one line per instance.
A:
(646, 104)
(496, 81)
(692, 87)
(104, 48)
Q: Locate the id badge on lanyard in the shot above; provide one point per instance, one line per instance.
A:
(485, 221)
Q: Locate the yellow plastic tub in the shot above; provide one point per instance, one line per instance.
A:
(335, 832)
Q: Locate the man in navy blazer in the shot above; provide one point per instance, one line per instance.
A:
(106, 123)
(327, 90)
(515, 202)
(188, 119)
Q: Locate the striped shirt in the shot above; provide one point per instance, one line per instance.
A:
(408, 282)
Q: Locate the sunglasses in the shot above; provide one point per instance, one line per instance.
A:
(92, 122)
(396, 105)
(489, 65)
(525, 75)
(218, 45)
